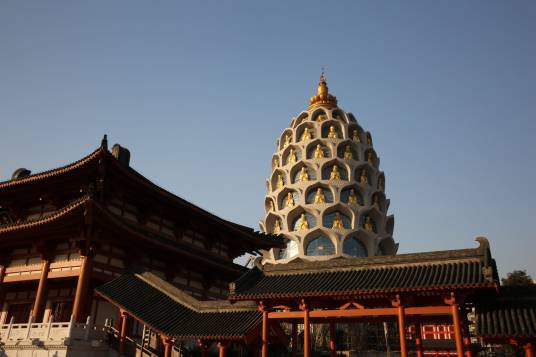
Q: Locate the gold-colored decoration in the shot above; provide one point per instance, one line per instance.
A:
(287, 140)
(292, 158)
(306, 134)
(322, 97)
(319, 153)
(290, 200)
(277, 227)
(335, 174)
(275, 162)
(303, 225)
(321, 117)
(363, 178)
(337, 222)
(304, 175)
(319, 196)
(369, 225)
(332, 134)
(370, 158)
(348, 155)
(355, 136)
(352, 198)
(280, 182)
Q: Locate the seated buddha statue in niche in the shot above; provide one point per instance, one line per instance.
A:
(348, 155)
(287, 140)
(277, 227)
(304, 175)
(319, 153)
(306, 134)
(303, 225)
(280, 182)
(369, 225)
(381, 183)
(292, 158)
(275, 162)
(321, 117)
(355, 136)
(363, 178)
(352, 197)
(290, 200)
(332, 134)
(370, 158)
(319, 196)
(337, 221)
(335, 174)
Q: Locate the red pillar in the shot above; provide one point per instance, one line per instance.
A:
(402, 332)
(306, 333)
(2, 274)
(332, 337)
(122, 333)
(294, 339)
(82, 288)
(222, 349)
(264, 337)
(529, 350)
(418, 339)
(168, 346)
(457, 329)
(40, 295)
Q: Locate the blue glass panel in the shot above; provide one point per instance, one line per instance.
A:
(354, 248)
(320, 246)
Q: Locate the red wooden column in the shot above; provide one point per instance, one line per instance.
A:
(82, 285)
(40, 295)
(2, 274)
(122, 333)
(222, 349)
(457, 329)
(306, 332)
(466, 335)
(168, 345)
(264, 337)
(418, 339)
(402, 331)
(294, 339)
(529, 349)
(332, 338)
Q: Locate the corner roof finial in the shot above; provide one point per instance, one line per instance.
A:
(104, 142)
(322, 96)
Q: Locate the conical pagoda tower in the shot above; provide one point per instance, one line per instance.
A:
(326, 193)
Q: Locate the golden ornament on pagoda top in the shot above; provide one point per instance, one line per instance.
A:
(322, 97)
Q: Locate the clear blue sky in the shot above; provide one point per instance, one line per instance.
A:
(199, 91)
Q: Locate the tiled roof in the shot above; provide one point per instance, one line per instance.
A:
(510, 314)
(174, 313)
(455, 269)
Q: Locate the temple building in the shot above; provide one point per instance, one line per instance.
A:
(98, 261)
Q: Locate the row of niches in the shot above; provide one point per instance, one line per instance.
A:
(319, 244)
(320, 115)
(317, 150)
(328, 130)
(335, 172)
(337, 218)
(319, 194)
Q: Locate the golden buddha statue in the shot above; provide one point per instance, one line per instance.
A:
(352, 198)
(319, 196)
(306, 134)
(290, 200)
(332, 134)
(337, 222)
(275, 162)
(277, 227)
(363, 178)
(348, 155)
(319, 153)
(303, 225)
(355, 136)
(321, 117)
(280, 182)
(369, 226)
(287, 141)
(370, 158)
(304, 175)
(335, 174)
(292, 158)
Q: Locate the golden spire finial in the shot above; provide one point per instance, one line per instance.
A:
(322, 96)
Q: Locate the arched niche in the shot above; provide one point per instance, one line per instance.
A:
(294, 219)
(345, 215)
(283, 198)
(364, 176)
(275, 162)
(369, 139)
(337, 114)
(342, 150)
(296, 172)
(328, 168)
(291, 250)
(326, 129)
(386, 246)
(301, 129)
(289, 150)
(380, 185)
(283, 142)
(275, 179)
(373, 218)
(318, 244)
(351, 117)
(371, 158)
(312, 147)
(311, 192)
(355, 133)
(353, 246)
(389, 224)
(358, 192)
(269, 205)
(377, 200)
(301, 118)
(319, 115)
(270, 222)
